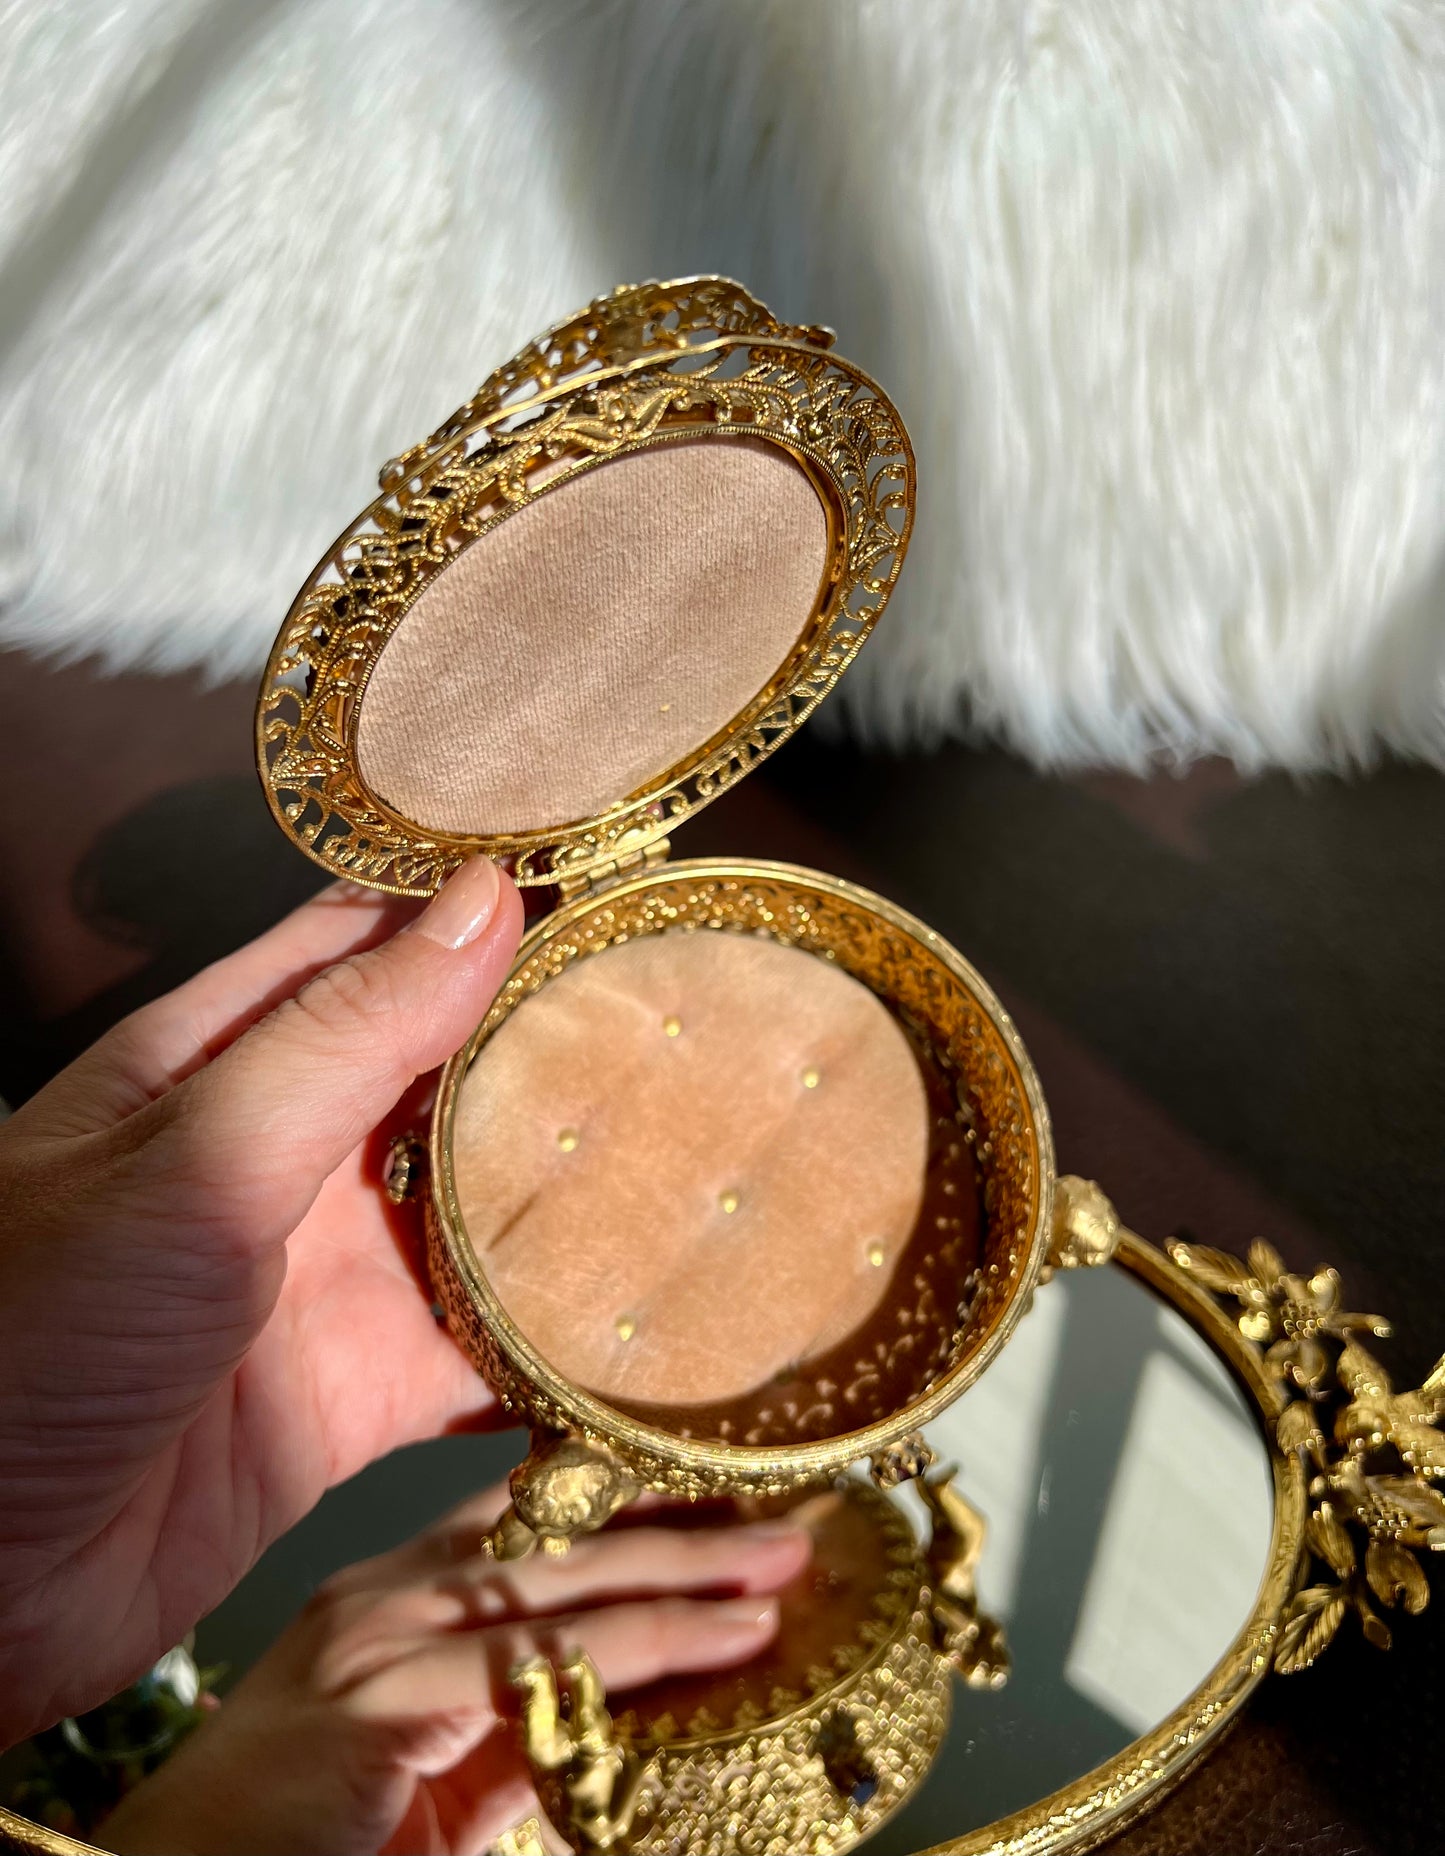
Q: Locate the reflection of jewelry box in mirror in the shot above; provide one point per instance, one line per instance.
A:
(814, 1744)
(746, 1174)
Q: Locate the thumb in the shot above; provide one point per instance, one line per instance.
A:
(269, 1119)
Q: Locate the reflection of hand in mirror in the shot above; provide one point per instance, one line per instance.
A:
(205, 1318)
(382, 1718)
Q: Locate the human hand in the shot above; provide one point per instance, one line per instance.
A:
(383, 1719)
(205, 1318)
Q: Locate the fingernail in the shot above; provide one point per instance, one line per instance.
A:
(767, 1531)
(462, 907)
(751, 1614)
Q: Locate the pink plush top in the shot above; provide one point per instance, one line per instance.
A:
(690, 1164)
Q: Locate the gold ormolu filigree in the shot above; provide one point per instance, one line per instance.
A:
(406, 1168)
(1086, 1227)
(1374, 1452)
(627, 324)
(524, 1839)
(1378, 1417)
(564, 1487)
(645, 366)
(973, 1642)
(1086, 1230)
(568, 1736)
(1293, 1317)
(904, 1461)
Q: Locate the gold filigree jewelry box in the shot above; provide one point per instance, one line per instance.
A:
(746, 1175)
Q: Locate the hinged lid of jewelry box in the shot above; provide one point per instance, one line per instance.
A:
(618, 577)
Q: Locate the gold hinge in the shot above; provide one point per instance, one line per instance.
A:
(600, 876)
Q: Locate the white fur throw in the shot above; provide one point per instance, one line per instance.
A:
(1160, 290)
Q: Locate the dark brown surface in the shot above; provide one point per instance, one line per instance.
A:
(1233, 992)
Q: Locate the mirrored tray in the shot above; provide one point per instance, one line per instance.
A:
(1193, 1470)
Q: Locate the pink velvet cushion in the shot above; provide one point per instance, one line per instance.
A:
(595, 638)
(690, 1163)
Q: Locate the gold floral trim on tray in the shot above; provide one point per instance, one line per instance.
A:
(1374, 1454)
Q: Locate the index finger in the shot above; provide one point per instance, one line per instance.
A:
(169, 1038)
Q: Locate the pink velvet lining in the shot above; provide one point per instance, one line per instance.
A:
(594, 639)
(691, 1162)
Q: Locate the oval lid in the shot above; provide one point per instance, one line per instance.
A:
(553, 744)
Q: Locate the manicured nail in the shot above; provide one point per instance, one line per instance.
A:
(765, 1532)
(463, 906)
(746, 1614)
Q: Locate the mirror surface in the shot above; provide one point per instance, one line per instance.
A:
(1130, 1503)
(1127, 1489)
